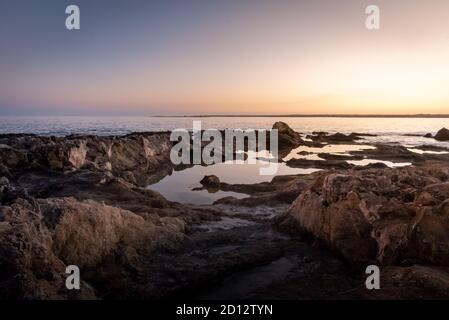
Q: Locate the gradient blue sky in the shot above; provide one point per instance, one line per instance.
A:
(141, 57)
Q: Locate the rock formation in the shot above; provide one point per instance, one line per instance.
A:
(385, 216)
(287, 138)
(133, 156)
(39, 238)
(77, 200)
(442, 135)
(83, 200)
(210, 181)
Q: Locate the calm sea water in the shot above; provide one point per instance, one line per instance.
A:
(387, 129)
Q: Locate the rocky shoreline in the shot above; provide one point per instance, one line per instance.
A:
(83, 200)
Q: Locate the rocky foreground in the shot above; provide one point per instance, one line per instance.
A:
(82, 200)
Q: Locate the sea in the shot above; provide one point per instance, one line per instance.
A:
(405, 131)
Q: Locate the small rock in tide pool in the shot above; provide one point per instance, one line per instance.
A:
(210, 181)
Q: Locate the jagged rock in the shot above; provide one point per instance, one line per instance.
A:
(11, 158)
(140, 154)
(86, 232)
(39, 239)
(442, 135)
(388, 215)
(287, 138)
(284, 128)
(30, 270)
(61, 155)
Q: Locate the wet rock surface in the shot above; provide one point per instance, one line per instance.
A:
(334, 138)
(82, 200)
(381, 152)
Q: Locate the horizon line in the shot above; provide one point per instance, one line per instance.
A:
(423, 115)
(330, 115)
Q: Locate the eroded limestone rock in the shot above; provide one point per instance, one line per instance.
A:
(380, 215)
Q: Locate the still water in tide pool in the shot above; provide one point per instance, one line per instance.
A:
(180, 185)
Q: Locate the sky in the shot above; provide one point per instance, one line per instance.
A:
(190, 57)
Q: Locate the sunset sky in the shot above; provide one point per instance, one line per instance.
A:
(223, 57)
